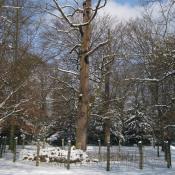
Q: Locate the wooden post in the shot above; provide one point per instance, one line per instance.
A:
(68, 154)
(1, 146)
(5, 143)
(99, 150)
(44, 143)
(14, 149)
(154, 144)
(108, 157)
(158, 151)
(168, 154)
(23, 143)
(119, 145)
(140, 154)
(165, 151)
(62, 142)
(38, 153)
(23, 140)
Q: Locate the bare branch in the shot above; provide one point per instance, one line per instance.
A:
(8, 115)
(60, 9)
(96, 48)
(63, 14)
(50, 13)
(14, 111)
(75, 47)
(5, 19)
(65, 83)
(105, 2)
(10, 95)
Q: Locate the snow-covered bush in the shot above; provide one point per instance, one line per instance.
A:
(55, 154)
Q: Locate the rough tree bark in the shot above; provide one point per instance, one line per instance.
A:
(82, 122)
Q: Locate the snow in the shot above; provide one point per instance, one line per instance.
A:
(9, 168)
(54, 154)
(54, 137)
(22, 167)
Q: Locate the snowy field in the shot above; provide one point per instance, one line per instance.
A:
(21, 167)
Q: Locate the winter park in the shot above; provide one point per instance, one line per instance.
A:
(87, 87)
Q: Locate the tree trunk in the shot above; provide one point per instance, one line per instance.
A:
(107, 120)
(82, 121)
(12, 133)
(15, 96)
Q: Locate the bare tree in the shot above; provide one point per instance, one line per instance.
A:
(84, 50)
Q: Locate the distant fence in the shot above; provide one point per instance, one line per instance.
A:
(109, 157)
(126, 157)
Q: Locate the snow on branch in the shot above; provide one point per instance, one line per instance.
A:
(13, 7)
(67, 71)
(10, 95)
(169, 74)
(97, 47)
(142, 80)
(66, 17)
(14, 111)
(5, 19)
(8, 115)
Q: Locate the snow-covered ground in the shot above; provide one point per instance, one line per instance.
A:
(21, 167)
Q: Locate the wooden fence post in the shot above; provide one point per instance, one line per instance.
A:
(108, 157)
(23, 140)
(68, 154)
(158, 150)
(62, 143)
(1, 146)
(38, 153)
(5, 143)
(44, 143)
(119, 145)
(14, 148)
(140, 154)
(165, 150)
(99, 150)
(168, 154)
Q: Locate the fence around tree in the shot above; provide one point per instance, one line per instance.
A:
(106, 157)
